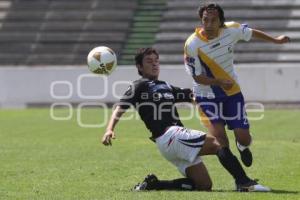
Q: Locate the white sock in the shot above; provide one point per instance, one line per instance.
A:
(241, 147)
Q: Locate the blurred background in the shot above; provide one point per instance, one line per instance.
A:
(44, 44)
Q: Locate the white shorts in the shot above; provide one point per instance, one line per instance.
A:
(181, 146)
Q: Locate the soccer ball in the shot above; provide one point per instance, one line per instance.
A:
(102, 60)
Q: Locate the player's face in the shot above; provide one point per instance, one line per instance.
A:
(211, 22)
(150, 68)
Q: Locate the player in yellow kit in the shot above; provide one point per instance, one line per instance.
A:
(209, 60)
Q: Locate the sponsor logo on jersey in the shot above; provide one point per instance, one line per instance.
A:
(190, 61)
(245, 26)
(215, 45)
(168, 95)
(158, 87)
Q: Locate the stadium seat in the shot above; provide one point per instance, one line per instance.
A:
(276, 17)
(60, 32)
(37, 32)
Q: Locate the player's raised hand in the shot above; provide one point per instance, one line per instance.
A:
(106, 139)
(282, 39)
(225, 84)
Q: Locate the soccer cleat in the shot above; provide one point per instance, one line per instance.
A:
(246, 157)
(252, 186)
(149, 183)
(139, 187)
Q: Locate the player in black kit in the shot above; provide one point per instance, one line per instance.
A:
(155, 102)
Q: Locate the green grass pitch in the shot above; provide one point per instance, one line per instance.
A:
(41, 158)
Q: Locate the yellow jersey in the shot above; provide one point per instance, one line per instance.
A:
(214, 58)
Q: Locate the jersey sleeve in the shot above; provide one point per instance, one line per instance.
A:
(239, 31)
(182, 94)
(191, 60)
(245, 33)
(130, 97)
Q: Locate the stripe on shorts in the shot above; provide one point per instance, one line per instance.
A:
(195, 142)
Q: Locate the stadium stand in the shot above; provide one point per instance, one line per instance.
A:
(145, 25)
(61, 32)
(276, 17)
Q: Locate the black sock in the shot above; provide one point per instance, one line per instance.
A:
(232, 165)
(177, 184)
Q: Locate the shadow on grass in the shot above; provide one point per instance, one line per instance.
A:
(224, 191)
(272, 191)
(284, 192)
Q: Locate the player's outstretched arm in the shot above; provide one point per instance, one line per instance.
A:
(264, 36)
(202, 79)
(109, 134)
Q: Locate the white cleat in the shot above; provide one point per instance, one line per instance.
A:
(252, 186)
(258, 188)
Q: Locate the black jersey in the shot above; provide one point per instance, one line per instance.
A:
(155, 102)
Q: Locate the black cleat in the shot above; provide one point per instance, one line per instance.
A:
(252, 186)
(246, 157)
(149, 183)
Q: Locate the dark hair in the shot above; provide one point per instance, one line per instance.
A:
(141, 53)
(212, 6)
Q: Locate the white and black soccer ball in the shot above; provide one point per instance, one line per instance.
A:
(102, 60)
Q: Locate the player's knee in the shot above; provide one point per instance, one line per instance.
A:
(225, 154)
(212, 144)
(243, 136)
(218, 131)
(222, 140)
(215, 145)
(245, 140)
